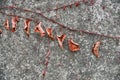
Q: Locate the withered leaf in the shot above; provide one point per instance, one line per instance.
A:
(73, 46)
(6, 24)
(95, 49)
(44, 72)
(47, 54)
(14, 23)
(0, 31)
(61, 39)
(38, 29)
(49, 32)
(27, 27)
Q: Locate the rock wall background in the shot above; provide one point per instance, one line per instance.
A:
(20, 56)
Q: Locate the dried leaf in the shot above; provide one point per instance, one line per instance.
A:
(6, 24)
(95, 49)
(0, 31)
(27, 27)
(61, 39)
(73, 46)
(49, 32)
(38, 29)
(77, 3)
(46, 62)
(14, 23)
(48, 54)
(44, 73)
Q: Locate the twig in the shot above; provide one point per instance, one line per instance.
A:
(61, 25)
(19, 16)
(76, 3)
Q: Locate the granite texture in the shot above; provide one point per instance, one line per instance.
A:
(21, 57)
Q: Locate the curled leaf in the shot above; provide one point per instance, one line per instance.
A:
(77, 3)
(95, 49)
(73, 46)
(61, 39)
(6, 24)
(0, 31)
(27, 27)
(46, 62)
(48, 54)
(44, 73)
(38, 29)
(85, 1)
(14, 23)
(49, 32)
(64, 7)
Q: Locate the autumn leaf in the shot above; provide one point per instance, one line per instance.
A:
(14, 23)
(61, 39)
(6, 24)
(38, 29)
(27, 27)
(73, 46)
(0, 31)
(95, 49)
(49, 32)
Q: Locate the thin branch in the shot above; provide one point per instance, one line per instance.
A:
(76, 3)
(18, 16)
(60, 24)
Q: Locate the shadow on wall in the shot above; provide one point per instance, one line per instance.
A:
(117, 77)
(2, 75)
(2, 2)
(115, 1)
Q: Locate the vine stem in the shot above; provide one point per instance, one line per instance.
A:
(76, 3)
(52, 20)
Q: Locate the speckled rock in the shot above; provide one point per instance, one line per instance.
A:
(21, 58)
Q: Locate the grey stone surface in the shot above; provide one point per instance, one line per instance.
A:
(20, 56)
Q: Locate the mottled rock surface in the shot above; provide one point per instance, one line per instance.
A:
(21, 57)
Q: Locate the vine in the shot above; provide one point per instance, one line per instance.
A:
(52, 20)
(73, 46)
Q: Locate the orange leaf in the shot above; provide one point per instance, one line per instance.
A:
(14, 23)
(46, 62)
(61, 39)
(0, 31)
(49, 32)
(44, 73)
(38, 29)
(95, 49)
(48, 54)
(6, 24)
(27, 27)
(73, 46)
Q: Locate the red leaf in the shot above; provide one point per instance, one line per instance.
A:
(92, 2)
(6, 24)
(27, 27)
(46, 62)
(64, 7)
(44, 73)
(48, 53)
(38, 29)
(77, 3)
(14, 23)
(0, 31)
(49, 32)
(73, 46)
(85, 1)
(61, 39)
(95, 49)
